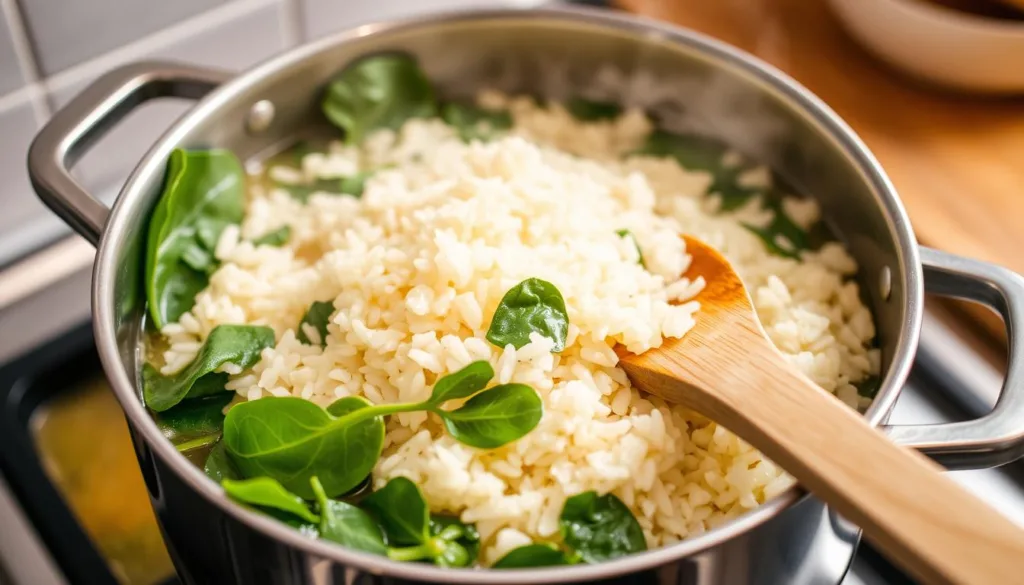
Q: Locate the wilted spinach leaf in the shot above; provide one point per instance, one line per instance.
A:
(351, 185)
(794, 237)
(495, 417)
(461, 542)
(218, 465)
(401, 510)
(532, 555)
(346, 524)
(474, 123)
(591, 111)
(202, 194)
(532, 306)
(600, 528)
(235, 344)
(268, 493)
(317, 316)
(868, 387)
(276, 238)
(465, 382)
(636, 244)
(194, 418)
(380, 91)
(292, 440)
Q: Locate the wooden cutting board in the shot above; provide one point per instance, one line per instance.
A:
(956, 160)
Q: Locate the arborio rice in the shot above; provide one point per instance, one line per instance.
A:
(417, 266)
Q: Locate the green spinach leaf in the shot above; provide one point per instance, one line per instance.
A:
(203, 193)
(346, 524)
(636, 244)
(194, 420)
(292, 440)
(592, 111)
(276, 238)
(495, 417)
(794, 238)
(600, 528)
(218, 465)
(465, 382)
(235, 344)
(474, 123)
(351, 185)
(381, 91)
(461, 542)
(868, 387)
(317, 316)
(268, 493)
(532, 306)
(532, 555)
(401, 510)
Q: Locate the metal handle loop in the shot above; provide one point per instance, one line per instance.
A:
(998, 437)
(90, 115)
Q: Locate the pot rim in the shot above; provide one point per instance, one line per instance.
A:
(828, 122)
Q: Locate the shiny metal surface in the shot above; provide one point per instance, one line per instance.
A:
(997, 437)
(691, 82)
(67, 136)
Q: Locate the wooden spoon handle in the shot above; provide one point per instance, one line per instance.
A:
(905, 505)
(924, 520)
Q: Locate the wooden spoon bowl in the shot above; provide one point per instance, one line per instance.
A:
(726, 368)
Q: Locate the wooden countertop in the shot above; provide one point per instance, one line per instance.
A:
(956, 160)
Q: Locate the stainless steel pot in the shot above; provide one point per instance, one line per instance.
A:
(692, 83)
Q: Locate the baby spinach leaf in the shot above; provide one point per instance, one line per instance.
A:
(591, 111)
(794, 237)
(317, 316)
(305, 527)
(235, 344)
(401, 510)
(532, 306)
(343, 406)
(268, 493)
(203, 193)
(218, 465)
(532, 555)
(351, 185)
(465, 382)
(276, 238)
(692, 152)
(495, 417)
(868, 387)
(194, 419)
(380, 91)
(346, 524)
(474, 123)
(639, 254)
(600, 528)
(461, 541)
(291, 440)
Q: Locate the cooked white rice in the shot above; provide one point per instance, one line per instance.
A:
(417, 266)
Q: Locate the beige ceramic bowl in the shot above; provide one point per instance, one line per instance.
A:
(939, 44)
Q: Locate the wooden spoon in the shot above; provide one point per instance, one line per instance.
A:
(726, 368)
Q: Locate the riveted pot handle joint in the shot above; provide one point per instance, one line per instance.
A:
(90, 115)
(998, 437)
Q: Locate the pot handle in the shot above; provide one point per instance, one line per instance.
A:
(998, 437)
(90, 115)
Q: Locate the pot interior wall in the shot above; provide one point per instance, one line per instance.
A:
(688, 87)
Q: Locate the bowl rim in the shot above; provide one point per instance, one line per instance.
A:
(114, 239)
(958, 20)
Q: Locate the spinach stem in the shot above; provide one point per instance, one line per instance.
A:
(369, 412)
(449, 533)
(411, 553)
(197, 443)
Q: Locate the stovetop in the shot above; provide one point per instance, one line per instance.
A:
(42, 542)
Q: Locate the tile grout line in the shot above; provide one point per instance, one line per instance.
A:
(293, 23)
(26, 56)
(136, 49)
